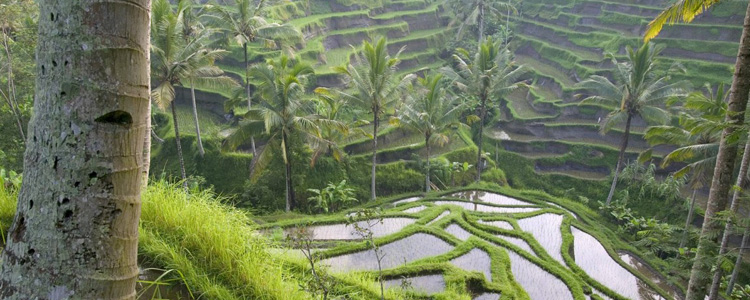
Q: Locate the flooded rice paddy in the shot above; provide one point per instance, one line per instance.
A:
(422, 241)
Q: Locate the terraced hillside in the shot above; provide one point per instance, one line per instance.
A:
(563, 42)
(487, 246)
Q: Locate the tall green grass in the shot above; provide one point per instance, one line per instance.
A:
(8, 196)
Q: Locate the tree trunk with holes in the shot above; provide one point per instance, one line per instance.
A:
(75, 234)
(620, 159)
(722, 179)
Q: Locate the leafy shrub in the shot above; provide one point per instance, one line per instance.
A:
(495, 175)
(332, 198)
(395, 178)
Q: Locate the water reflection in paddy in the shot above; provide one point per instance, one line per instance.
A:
(347, 232)
(406, 200)
(428, 284)
(639, 266)
(403, 251)
(443, 214)
(539, 284)
(520, 243)
(487, 208)
(498, 224)
(482, 196)
(457, 231)
(488, 296)
(546, 230)
(591, 256)
(475, 260)
(414, 210)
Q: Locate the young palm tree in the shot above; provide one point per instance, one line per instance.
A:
(639, 92)
(192, 28)
(432, 113)
(473, 12)
(246, 23)
(377, 87)
(329, 106)
(490, 75)
(282, 113)
(175, 58)
(686, 10)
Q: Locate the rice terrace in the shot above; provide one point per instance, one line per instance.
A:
(375, 149)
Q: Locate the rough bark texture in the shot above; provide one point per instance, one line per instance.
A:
(620, 159)
(146, 146)
(481, 22)
(482, 114)
(375, 123)
(201, 151)
(75, 234)
(722, 179)
(179, 146)
(734, 206)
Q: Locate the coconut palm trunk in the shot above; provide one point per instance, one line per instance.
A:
(375, 124)
(427, 162)
(685, 234)
(742, 182)
(179, 146)
(481, 22)
(75, 232)
(738, 262)
(248, 94)
(146, 147)
(482, 114)
(722, 178)
(620, 158)
(290, 202)
(201, 151)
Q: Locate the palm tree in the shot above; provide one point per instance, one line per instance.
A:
(491, 72)
(282, 113)
(432, 113)
(473, 12)
(83, 242)
(639, 93)
(330, 107)
(246, 23)
(376, 85)
(686, 10)
(191, 28)
(175, 58)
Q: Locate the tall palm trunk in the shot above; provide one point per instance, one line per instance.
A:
(375, 124)
(75, 232)
(201, 151)
(290, 203)
(480, 20)
(734, 206)
(247, 91)
(738, 262)
(146, 146)
(179, 146)
(620, 158)
(725, 160)
(482, 114)
(685, 234)
(427, 161)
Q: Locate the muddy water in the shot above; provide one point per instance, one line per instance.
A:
(488, 296)
(539, 284)
(487, 208)
(546, 230)
(347, 232)
(482, 196)
(475, 260)
(518, 242)
(639, 266)
(458, 232)
(403, 251)
(428, 284)
(591, 256)
(498, 224)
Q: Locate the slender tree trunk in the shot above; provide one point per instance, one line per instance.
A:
(179, 147)
(620, 159)
(738, 262)
(482, 113)
(247, 91)
(427, 161)
(725, 160)
(685, 234)
(75, 233)
(741, 184)
(290, 203)
(12, 99)
(375, 124)
(201, 151)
